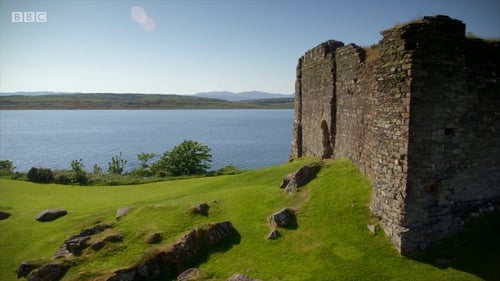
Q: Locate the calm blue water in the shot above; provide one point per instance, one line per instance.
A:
(53, 138)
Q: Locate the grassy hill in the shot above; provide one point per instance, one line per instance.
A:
(331, 242)
(132, 101)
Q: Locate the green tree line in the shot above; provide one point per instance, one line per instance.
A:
(189, 158)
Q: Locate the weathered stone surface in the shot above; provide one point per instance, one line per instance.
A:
(4, 215)
(125, 274)
(193, 274)
(286, 180)
(50, 215)
(111, 238)
(154, 238)
(283, 218)
(77, 243)
(122, 212)
(25, 268)
(240, 277)
(201, 209)
(48, 272)
(95, 229)
(429, 164)
(173, 259)
(273, 235)
(301, 177)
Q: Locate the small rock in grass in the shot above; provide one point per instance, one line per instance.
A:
(4, 215)
(50, 215)
(273, 235)
(283, 218)
(201, 209)
(300, 178)
(193, 274)
(154, 238)
(122, 212)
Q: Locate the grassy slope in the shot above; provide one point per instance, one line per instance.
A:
(331, 242)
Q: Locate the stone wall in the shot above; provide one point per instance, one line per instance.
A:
(454, 141)
(316, 84)
(421, 120)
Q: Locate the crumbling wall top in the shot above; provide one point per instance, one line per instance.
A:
(323, 49)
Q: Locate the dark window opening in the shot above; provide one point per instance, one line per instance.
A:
(450, 132)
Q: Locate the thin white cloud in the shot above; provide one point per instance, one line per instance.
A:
(140, 16)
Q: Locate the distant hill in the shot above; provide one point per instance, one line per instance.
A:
(250, 95)
(130, 101)
(37, 93)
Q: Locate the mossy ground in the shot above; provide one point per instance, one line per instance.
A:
(331, 242)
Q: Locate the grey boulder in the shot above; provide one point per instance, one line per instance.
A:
(122, 212)
(50, 215)
(300, 178)
(283, 218)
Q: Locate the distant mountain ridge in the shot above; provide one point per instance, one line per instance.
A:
(248, 95)
(221, 95)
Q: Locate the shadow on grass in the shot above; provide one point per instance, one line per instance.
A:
(475, 250)
(234, 238)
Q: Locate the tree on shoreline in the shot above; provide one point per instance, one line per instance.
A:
(144, 169)
(187, 158)
(117, 165)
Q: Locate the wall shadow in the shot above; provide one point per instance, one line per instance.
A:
(475, 250)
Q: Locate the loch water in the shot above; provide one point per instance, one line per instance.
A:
(246, 138)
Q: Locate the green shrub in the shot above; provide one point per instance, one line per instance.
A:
(185, 159)
(228, 170)
(117, 165)
(6, 168)
(80, 176)
(63, 178)
(40, 175)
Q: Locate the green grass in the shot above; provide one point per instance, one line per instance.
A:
(330, 243)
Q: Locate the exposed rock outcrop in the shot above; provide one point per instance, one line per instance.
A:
(300, 178)
(77, 243)
(50, 215)
(48, 272)
(169, 261)
(25, 268)
(112, 238)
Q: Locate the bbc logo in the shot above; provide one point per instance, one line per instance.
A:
(29, 17)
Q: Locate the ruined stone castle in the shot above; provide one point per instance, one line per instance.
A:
(419, 114)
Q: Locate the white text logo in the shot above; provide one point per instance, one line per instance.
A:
(33, 17)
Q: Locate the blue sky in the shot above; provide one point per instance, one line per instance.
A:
(186, 46)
